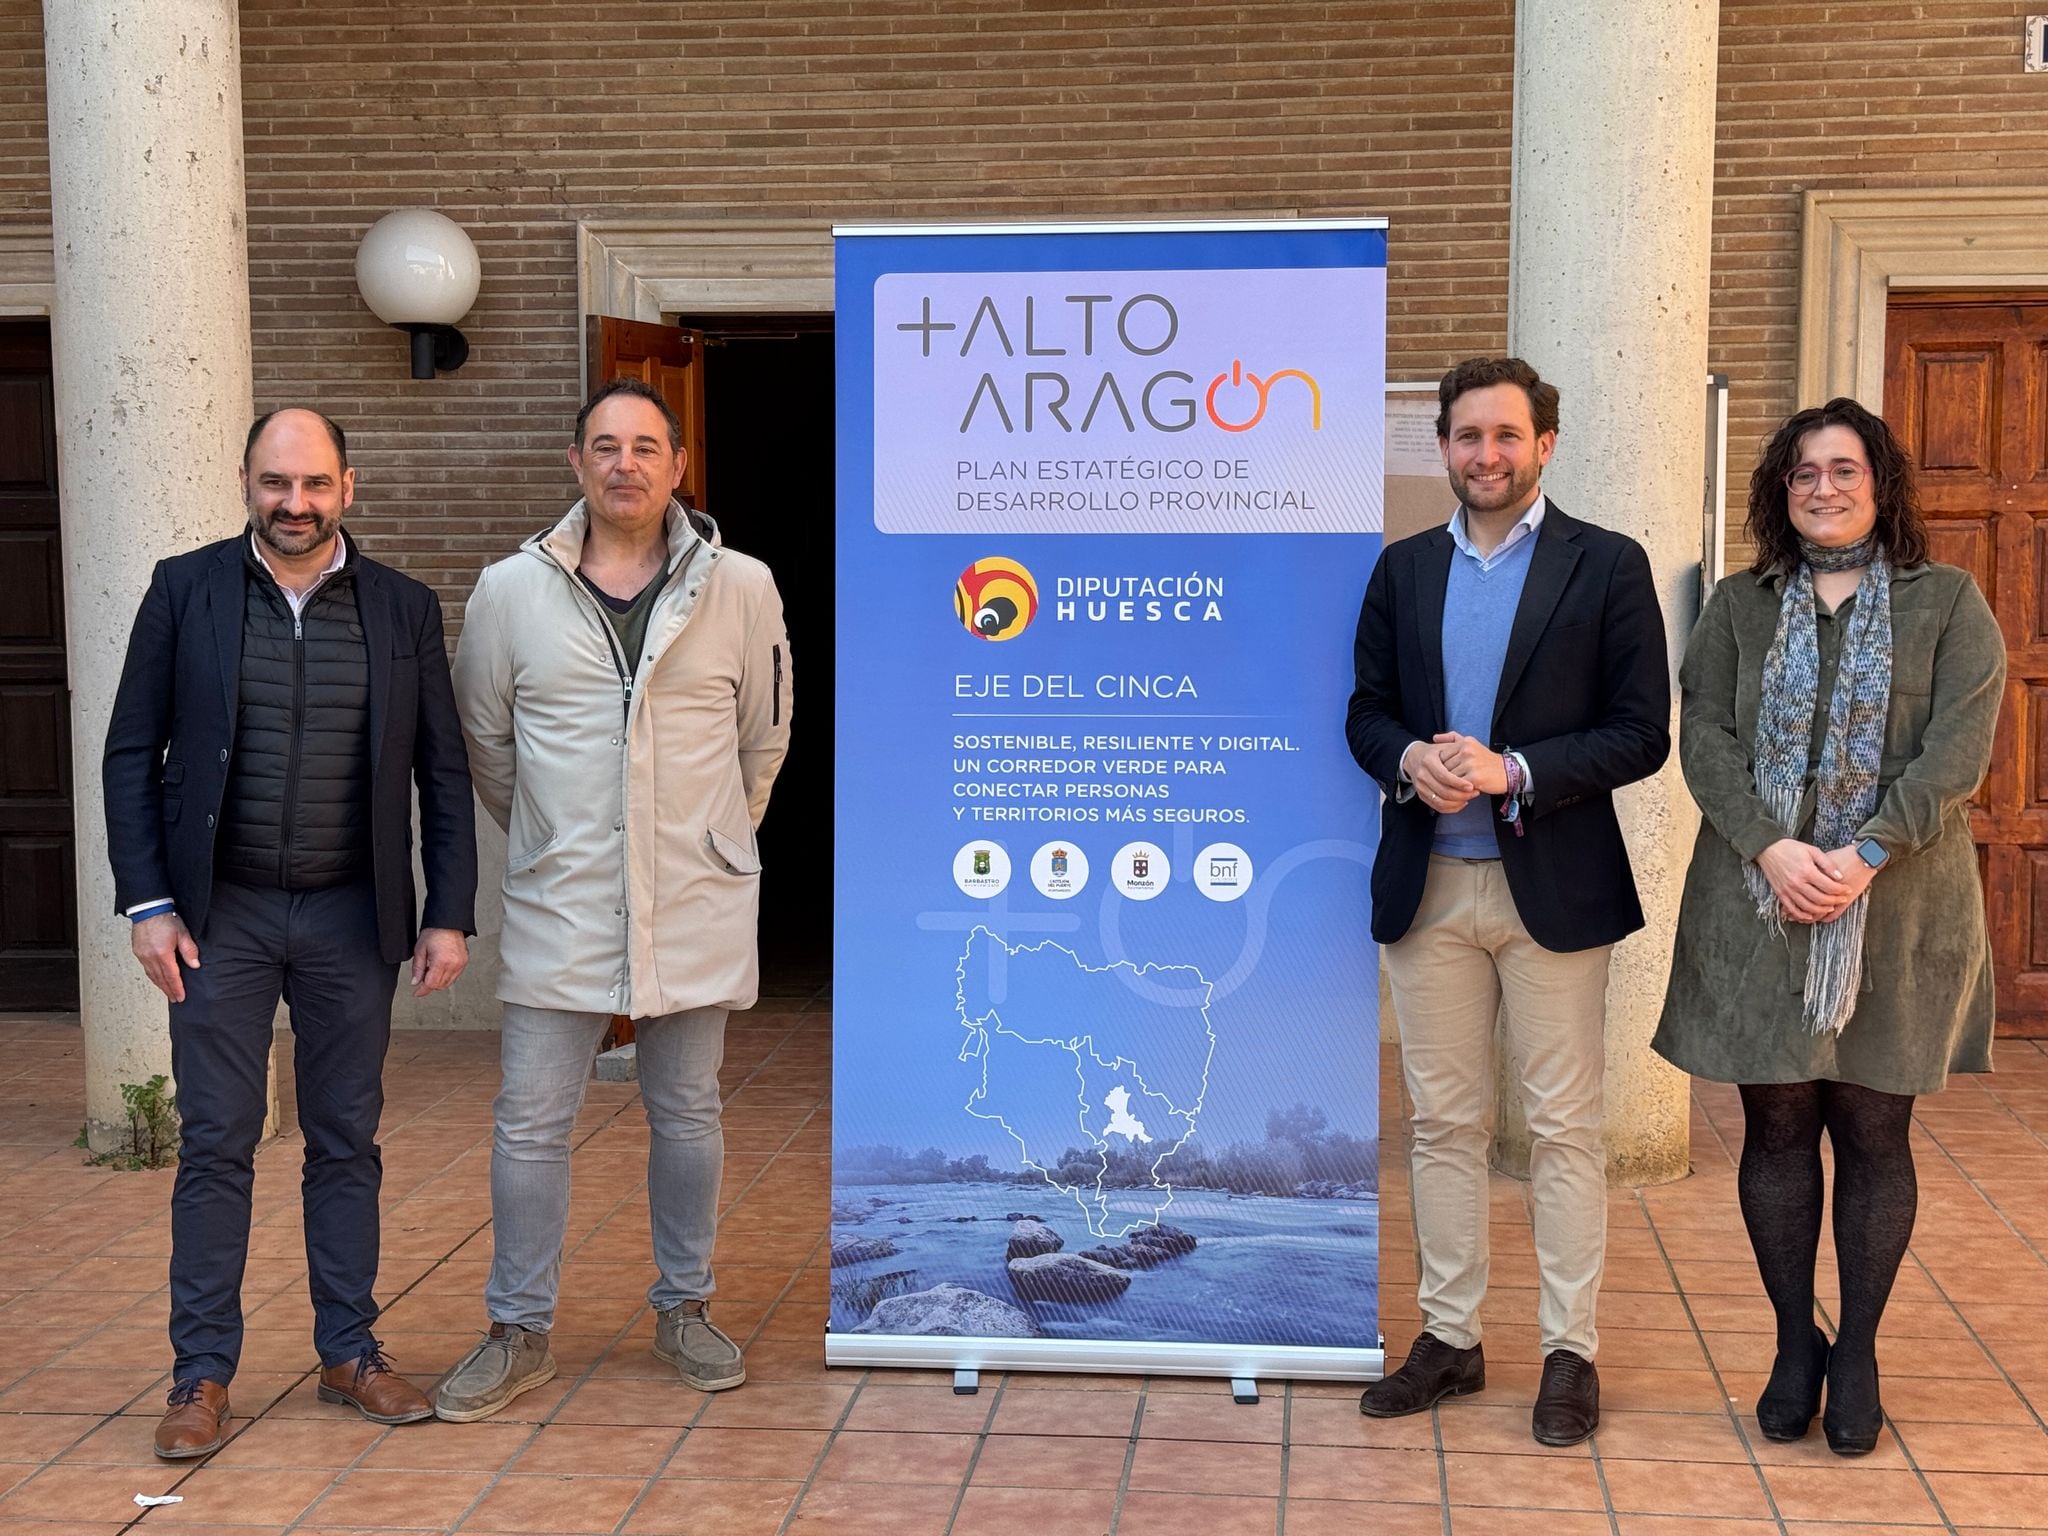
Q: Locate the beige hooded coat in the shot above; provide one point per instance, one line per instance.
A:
(633, 880)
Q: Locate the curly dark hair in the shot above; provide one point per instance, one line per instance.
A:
(1900, 527)
(1484, 373)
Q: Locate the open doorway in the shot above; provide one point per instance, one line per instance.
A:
(768, 459)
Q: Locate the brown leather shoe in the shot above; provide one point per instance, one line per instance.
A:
(197, 1423)
(369, 1385)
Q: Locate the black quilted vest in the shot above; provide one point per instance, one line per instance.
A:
(297, 810)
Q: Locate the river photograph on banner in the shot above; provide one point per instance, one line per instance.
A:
(1106, 1034)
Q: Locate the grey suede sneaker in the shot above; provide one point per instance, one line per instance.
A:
(507, 1361)
(702, 1354)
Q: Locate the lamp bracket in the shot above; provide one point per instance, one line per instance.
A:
(436, 349)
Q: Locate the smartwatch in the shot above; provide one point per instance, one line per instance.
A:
(1872, 852)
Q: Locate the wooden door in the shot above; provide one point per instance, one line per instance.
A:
(671, 359)
(38, 893)
(1966, 389)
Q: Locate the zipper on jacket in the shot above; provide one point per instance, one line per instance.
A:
(291, 772)
(775, 708)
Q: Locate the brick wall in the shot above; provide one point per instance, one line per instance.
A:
(518, 118)
(1851, 93)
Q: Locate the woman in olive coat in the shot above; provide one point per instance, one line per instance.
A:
(1831, 956)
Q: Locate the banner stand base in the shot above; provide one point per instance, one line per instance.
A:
(1244, 1364)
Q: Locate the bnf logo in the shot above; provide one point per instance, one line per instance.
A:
(996, 599)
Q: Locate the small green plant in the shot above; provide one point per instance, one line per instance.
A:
(152, 1127)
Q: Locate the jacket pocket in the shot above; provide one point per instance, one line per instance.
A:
(1905, 721)
(523, 863)
(173, 805)
(174, 771)
(737, 854)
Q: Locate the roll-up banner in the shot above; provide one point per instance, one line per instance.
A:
(1104, 992)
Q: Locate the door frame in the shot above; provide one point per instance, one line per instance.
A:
(649, 269)
(1858, 244)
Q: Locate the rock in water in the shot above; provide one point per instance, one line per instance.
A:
(1119, 1257)
(1031, 1237)
(858, 1250)
(951, 1311)
(1066, 1277)
(1171, 1242)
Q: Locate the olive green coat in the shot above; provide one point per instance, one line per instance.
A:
(1733, 1012)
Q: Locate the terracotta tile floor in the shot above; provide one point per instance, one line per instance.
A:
(615, 1444)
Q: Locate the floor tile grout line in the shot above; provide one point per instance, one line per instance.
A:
(1980, 1192)
(581, 1381)
(661, 1470)
(1123, 1482)
(988, 1423)
(1756, 1465)
(825, 1450)
(1286, 1452)
(1606, 1493)
(1443, 1465)
(300, 1518)
(1978, 1339)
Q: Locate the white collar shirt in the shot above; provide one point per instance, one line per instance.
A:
(298, 600)
(1525, 528)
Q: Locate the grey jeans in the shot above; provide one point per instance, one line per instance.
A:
(545, 1060)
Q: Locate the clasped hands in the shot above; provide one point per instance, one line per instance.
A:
(1449, 770)
(1814, 885)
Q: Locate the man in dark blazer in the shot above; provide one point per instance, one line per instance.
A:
(1511, 674)
(282, 694)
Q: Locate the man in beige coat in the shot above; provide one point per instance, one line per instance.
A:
(624, 687)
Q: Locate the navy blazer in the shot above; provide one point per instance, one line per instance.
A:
(172, 736)
(1584, 696)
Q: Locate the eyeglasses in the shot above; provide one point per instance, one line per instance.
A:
(1843, 474)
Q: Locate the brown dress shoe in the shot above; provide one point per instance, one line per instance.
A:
(197, 1423)
(369, 1385)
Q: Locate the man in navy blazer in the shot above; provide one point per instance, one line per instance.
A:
(282, 695)
(1511, 673)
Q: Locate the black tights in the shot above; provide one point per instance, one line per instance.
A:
(1876, 1195)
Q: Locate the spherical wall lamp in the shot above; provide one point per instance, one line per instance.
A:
(419, 271)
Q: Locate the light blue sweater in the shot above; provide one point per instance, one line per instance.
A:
(1479, 613)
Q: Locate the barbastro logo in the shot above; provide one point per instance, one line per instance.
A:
(995, 599)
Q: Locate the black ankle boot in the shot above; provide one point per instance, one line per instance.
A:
(1792, 1398)
(1855, 1417)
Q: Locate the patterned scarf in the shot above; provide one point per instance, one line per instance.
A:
(1847, 778)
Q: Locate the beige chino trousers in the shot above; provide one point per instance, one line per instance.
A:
(1465, 952)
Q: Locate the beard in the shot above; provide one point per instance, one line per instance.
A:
(1518, 486)
(292, 540)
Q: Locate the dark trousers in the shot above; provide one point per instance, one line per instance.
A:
(317, 950)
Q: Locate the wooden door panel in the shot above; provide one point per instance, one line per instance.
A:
(1966, 389)
(670, 358)
(1969, 543)
(38, 895)
(31, 586)
(1960, 408)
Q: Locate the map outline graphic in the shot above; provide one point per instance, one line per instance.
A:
(1083, 1046)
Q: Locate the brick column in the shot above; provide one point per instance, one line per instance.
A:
(1609, 241)
(150, 332)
